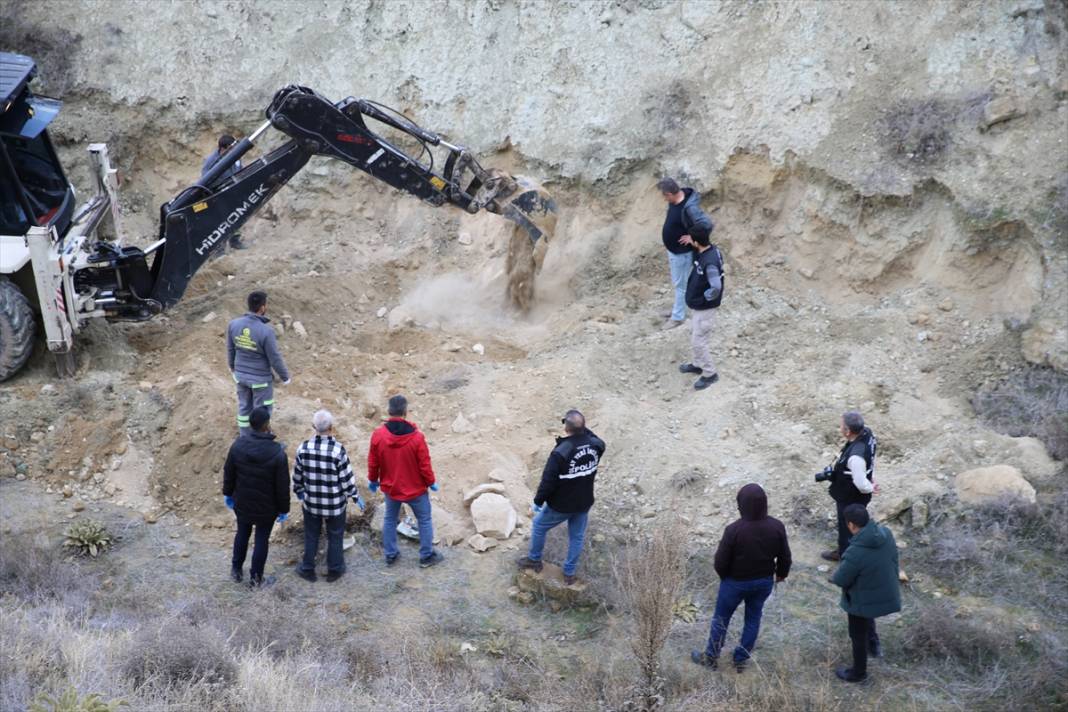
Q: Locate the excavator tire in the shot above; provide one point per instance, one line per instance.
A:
(17, 327)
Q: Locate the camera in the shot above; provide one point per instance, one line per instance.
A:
(825, 475)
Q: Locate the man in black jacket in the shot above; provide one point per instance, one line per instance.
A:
(704, 292)
(752, 555)
(566, 493)
(684, 215)
(256, 487)
(852, 475)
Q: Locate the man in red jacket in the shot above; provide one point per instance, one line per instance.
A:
(399, 462)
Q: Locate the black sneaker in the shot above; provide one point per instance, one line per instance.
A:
(705, 381)
(390, 560)
(689, 368)
(831, 555)
(526, 562)
(237, 245)
(260, 581)
(847, 675)
(236, 574)
(431, 560)
(308, 576)
(332, 576)
(702, 659)
(739, 667)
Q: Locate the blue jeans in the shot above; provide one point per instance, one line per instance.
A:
(576, 534)
(335, 532)
(680, 266)
(733, 593)
(421, 508)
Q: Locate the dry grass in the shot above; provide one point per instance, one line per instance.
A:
(1032, 402)
(651, 576)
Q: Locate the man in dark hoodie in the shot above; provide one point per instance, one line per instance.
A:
(398, 461)
(704, 293)
(752, 555)
(566, 493)
(868, 575)
(684, 214)
(256, 487)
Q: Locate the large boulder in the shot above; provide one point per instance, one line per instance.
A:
(993, 484)
(494, 515)
(549, 583)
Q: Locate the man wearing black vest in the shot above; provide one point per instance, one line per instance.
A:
(851, 475)
(704, 292)
(566, 493)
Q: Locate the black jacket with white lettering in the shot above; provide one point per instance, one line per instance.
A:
(567, 480)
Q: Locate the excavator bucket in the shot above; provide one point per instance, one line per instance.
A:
(530, 207)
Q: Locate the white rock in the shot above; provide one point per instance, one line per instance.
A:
(382, 311)
(461, 424)
(479, 349)
(299, 328)
(481, 543)
(471, 494)
(991, 484)
(464, 238)
(210, 316)
(494, 515)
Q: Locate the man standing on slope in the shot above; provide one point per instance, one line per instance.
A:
(226, 142)
(704, 292)
(868, 575)
(252, 354)
(256, 487)
(399, 461)
(566, 493)
(851, 475)
(323, 482)
(753, 554)
(684, 215)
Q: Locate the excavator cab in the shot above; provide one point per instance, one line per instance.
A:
(34, 190)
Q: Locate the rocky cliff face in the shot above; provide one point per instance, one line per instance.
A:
(962, 103)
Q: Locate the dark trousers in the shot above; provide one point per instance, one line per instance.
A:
(864, 638)
(335, 531)
(259, 550)
(733, 593)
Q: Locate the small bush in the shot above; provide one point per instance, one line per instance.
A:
(651, 576)
(70, 701)
(88, 538)
(919, 132)
(34, 573)
(937, 633)
(175, 654)
(1032, 402)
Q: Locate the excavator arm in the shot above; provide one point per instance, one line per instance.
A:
(198, 220)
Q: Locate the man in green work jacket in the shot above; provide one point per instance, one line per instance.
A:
(868, 575)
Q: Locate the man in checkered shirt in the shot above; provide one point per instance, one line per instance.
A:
(323, 482)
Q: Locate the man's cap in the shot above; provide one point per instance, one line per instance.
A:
(259, 417)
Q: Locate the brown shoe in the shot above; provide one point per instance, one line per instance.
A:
(526, 563)
(670, 324)
(570, 579)
(831, 555)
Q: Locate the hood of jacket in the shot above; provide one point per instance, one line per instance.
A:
(692, 197)
(398, 431)
(870, 537)
(259, 447)
(752, 502)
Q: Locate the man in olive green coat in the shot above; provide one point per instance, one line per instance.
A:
(868, 575)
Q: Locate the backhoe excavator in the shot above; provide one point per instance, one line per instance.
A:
(65, 266)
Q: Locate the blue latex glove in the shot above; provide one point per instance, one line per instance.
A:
(536, 508)
(359, 502)
(300, 496)
(282, 518)
(434, 487)
(373, 486)
(229, 501)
